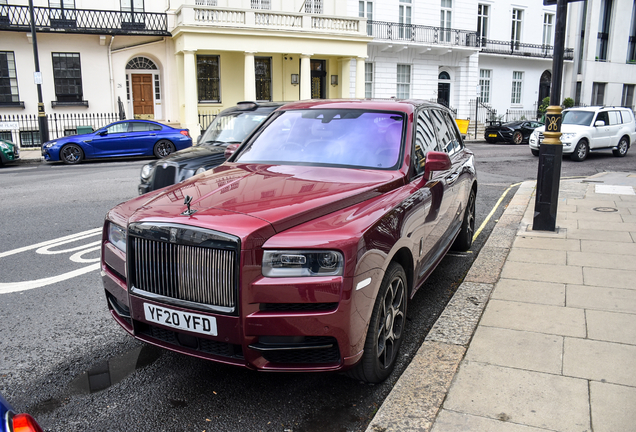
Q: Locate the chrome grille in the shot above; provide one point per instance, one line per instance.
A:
(174, 268)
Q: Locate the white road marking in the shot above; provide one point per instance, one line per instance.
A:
(6, 288)
(44, 248)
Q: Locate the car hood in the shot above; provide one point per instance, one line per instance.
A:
(567, 128)
(281, 195)
(195, 156)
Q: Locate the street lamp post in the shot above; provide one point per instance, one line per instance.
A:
(43, 124)
(551, 150)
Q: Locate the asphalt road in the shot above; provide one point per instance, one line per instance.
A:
(63, 359)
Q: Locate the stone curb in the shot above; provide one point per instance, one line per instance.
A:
(418, 395)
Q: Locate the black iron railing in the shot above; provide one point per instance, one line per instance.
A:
(205, 118)
(421, 34)
(17, 18)
(27, 134)
(521, 49)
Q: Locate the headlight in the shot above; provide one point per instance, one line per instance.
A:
(296, 263)
(4, 145)
(50, 144)
(567, 136)
(146, 171)
(117, 236)
(200, 170)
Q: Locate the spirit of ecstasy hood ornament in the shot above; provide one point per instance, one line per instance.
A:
(189, 211)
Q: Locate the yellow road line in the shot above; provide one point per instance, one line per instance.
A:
(485, 222)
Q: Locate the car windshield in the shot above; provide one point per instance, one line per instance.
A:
(581, 118)
(346, 137)
(232, 128)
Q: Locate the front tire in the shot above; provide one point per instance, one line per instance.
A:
(534, 152)
(580, 151)
(464, 239)
(71, 154)
(517, 138)
(623, 146)
(163, 148)
(386, 328)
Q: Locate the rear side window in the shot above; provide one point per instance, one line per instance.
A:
(626, 115)
(425, 140)
(615, 118)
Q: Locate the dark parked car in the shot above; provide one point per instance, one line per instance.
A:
(10, 421)
(122, 138)
(9, 152)
(231, 126)
(301, 252)
(515, 132)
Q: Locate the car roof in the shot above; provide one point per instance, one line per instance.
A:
(247, 106)
(404, 105)
(597, 108)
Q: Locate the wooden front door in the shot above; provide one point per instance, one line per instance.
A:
(143, 104)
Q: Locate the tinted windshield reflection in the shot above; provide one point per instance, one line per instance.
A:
(329, 137)
(232, 128)
(582, 118)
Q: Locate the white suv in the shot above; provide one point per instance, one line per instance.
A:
(592, 128)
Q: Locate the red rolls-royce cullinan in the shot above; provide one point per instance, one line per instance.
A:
(301, 252)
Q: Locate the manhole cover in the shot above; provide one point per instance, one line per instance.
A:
(605, 209)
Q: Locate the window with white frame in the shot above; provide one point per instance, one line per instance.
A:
(598, 93)
(8, 79)
(482, 22)
(445, 19)
(548, 27)
(517, 86)
(484, 85)
(261, 4)
(403, 81)
(405, 19)
(313, 6)
(135, 12)
(605, 18)
(517, 21)
(365, 10)
(368, 80)
(627, 100)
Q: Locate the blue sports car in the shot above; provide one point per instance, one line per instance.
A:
(12, 422)
(122, 138)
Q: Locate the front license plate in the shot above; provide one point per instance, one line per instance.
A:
(180, 320)
(492, 135)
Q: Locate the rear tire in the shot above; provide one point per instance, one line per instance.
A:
(71, 154)
(517, 138)
(464, 239)
(623, 146)
(386, 328)
(580, 151)
(534, 152)
(163, 148)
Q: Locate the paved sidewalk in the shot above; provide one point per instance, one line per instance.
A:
(30, 155)
(541, 336)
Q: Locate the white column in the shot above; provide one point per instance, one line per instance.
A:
(360, 77)
(305, 77)
(190, 109)
(249, 78)
(345, 73)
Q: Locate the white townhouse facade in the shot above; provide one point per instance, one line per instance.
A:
(603, 34)
(177, 60)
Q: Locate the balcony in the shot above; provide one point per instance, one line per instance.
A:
(489, 46)
(18, 18)
(195, 15)
(420, 34)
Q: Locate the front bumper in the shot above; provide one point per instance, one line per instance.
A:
(535, 142)
(319, 327)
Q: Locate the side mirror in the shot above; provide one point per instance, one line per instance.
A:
(436, 161)
(230, 149)
(102, 133)
(599, 123)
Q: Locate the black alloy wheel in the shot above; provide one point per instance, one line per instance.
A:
(580, 151)
(163, 148)
(386, 328)
(517, 137)
(71, 154)
(621, 149)
(464, 239)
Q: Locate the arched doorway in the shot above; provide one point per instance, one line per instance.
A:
(544, 86)
(143, 89)
(443, 88)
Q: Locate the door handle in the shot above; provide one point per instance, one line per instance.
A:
(153, 134)
(453, 178)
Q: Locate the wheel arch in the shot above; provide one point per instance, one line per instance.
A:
(404, 257)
